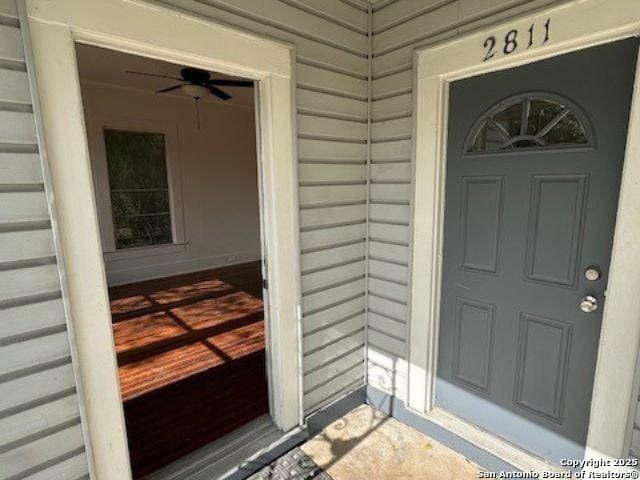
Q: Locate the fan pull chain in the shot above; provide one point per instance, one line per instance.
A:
(197, 112)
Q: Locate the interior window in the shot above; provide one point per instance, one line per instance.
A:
(139, 188)
(529, 121)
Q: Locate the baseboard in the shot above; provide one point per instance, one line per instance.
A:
(317, 421)
(124, 276)
(396, 408)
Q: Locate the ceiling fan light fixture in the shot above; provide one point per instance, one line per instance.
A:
(198, 83)
(194, 91)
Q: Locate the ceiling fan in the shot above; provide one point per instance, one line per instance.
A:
(198, 83)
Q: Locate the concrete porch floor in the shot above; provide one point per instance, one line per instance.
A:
(366, 444)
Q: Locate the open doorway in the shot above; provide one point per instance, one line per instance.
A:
(177, 192)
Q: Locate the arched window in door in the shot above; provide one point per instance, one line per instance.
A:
(530, 121)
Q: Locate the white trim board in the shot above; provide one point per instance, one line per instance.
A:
(576, 24)
(142, 29)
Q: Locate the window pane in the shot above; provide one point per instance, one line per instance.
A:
(568, 131)
(139, 188)
(541, 113)
(510, 118)
(135, 160)
(142, 231)
(131, 203)
(488, 138)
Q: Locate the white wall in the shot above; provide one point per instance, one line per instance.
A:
(218, 166)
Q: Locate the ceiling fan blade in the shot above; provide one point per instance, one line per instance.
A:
(218, 93)
(231, 83)
(154, 75)
(168, 89)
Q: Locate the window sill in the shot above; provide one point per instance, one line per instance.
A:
(139, 252)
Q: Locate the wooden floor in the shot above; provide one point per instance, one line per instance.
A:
(191, 358)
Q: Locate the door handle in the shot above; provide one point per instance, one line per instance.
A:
(588, 304)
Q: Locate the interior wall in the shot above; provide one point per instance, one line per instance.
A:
(398, 28)
(218, 171)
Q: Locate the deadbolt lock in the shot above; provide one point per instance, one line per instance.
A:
(592, 273)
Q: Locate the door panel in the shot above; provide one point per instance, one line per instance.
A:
(554, 238)
(541, 370)
(482, 209)
(474, 342)
(516, 353)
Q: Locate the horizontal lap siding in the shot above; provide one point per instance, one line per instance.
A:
(398, 27)
(40, 430)
(331, 95)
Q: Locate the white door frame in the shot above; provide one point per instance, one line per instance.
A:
(575, 25)
(149, 30)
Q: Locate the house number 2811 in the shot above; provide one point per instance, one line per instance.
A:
(514, 40)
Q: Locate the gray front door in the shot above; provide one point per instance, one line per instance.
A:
(534, 162)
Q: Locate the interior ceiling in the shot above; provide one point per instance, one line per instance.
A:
(109, 67)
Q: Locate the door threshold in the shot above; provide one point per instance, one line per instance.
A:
(487, 441)
(236, 455)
